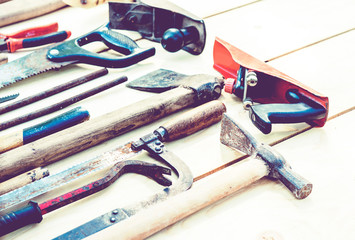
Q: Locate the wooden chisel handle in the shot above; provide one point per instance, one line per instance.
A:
(30, 134)
(194, 120)
(23, 179)
(202, 194)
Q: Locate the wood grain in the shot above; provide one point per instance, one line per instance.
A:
(70, 141)
(23, 179)
(19, 10)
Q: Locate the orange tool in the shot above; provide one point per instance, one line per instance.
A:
(32, 37)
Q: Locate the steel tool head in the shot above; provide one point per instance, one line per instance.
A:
(234, 136)
(161, 80)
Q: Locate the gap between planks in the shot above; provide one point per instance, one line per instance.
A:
(271, 144)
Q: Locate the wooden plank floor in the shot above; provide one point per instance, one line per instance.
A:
(311, 41)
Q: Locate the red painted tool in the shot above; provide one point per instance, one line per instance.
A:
(32, 37)
(280, 98)
(33, 212)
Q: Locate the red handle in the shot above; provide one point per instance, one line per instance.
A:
(35, 31)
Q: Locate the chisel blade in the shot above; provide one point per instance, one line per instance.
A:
(49, 183)
(27, 66)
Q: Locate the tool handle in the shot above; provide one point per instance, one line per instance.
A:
(15, 44)
(56, 124)
(23, 179)
(84, 4)
(20, 218)
(175, 39)
(202, 194)
(298, 185)
(73, 51)
(193, 120)
(35, 31)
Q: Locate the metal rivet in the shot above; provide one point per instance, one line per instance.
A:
(158, 149)
(157, 143)
(54, 52)
(115, 211)
(112, 219)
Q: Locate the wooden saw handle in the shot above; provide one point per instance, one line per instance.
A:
(194, 120)
(202, 194)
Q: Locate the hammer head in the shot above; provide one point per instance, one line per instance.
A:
(234, 136)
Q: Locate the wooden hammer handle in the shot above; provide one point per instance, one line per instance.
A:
(194, 120)
(202, 194)
(78, 138)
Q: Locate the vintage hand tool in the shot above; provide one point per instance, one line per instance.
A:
(282, 99)
(23, 179)
(32, 37)
(180, 126)
(52, 91)
(18, 10)
(160, 21)
(196, 119)
(43, 129)
(33, 212)
(71, 52)
(9, 97)
(264, 161)
(199, 89)
(62, 104)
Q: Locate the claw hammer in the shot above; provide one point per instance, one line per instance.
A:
(264, 162)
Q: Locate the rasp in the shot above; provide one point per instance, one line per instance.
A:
(8, 98)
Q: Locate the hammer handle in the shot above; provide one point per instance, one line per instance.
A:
(80, 137)
(202, 194)
(194, 120)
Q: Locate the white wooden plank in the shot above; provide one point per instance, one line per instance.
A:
(266, 210)
(268, 29)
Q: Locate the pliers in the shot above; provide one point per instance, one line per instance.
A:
(32, 37)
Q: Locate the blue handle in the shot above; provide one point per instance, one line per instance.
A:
(72, 50)
(63, 121)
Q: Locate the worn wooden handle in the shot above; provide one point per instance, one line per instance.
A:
(202, 194)
(70, 141)
(23, 179)
(194, 120)
(18, 10)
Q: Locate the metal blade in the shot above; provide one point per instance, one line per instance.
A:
(27, 66)
(49, 183)
(9, 97)
(232, 135)
(183, 183)
(158, 81)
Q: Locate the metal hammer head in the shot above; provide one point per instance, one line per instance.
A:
(234, 136)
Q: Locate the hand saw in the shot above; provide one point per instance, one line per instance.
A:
(184, 125)
(70, 52)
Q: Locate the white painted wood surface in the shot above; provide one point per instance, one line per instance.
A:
(312, 41)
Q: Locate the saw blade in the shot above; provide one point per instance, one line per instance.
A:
(27, 66)
(9, 97)
(51, 182)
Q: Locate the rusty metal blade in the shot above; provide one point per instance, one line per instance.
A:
(232, 135)
(27, 66)
(39, 187)
(158, 81)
